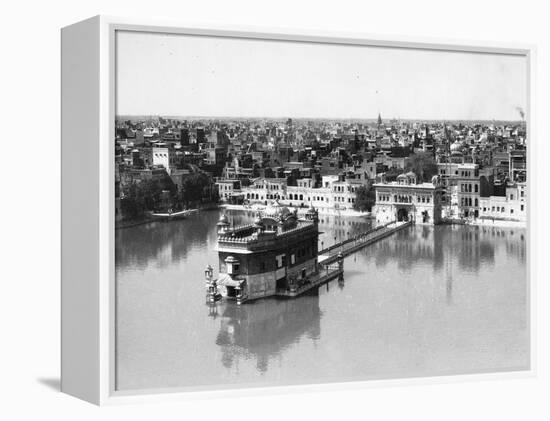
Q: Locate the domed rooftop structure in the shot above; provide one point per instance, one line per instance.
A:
(258, 221)
(406, 178)
(276, 211)
(312, 214)
(456, 147)
(223, 224)
(224, 220)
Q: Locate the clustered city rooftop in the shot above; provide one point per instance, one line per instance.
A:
(429, 172)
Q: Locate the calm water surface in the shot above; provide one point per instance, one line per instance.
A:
(425, 301)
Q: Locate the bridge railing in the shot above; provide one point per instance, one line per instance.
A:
(355, 238)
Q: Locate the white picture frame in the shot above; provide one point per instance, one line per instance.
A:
(88, 115)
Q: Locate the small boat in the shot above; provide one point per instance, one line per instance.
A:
(169, 215)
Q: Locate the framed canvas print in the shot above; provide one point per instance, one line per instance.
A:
(247, 209)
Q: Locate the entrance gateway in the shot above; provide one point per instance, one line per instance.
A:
(402, 214)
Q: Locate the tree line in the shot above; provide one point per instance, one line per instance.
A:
(163, 194)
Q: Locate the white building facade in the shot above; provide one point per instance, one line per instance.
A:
(512, 207)
(334, 193)
(405, 200)
(162, 155)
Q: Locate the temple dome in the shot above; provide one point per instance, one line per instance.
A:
(456, 147)
(258, 221)
(224, 220)
(276, 211)
(312, 214)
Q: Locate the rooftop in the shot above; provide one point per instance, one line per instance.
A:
(407, 186)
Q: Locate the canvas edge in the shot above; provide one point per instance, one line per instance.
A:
(80, 360)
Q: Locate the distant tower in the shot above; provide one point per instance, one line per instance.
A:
(379, 120)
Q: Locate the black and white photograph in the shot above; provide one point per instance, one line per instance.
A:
(278, 210)
(308, 212)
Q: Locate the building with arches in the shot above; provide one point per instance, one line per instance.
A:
(407, 200)
(335, 192)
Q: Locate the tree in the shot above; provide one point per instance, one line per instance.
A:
(364, 199)
(423, 165)
(194, 186)
(151, 190)
(145, 195)
(214, 194)
(132, 204)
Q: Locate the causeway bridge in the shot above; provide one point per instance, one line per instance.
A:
(330, 254)
(331, 259)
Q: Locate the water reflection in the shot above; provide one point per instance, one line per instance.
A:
(164, 242)
(425, 301)
(470, 247)
(266, 328)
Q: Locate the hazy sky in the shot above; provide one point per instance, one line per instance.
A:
(183, 75)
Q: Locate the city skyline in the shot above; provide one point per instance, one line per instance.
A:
(365, 120)
(179, 75)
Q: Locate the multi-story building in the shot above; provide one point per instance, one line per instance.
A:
(229, 189)
(405, 199)
(264, 189)
(214, 155)
(447, 172)
(277, 252)
(165, 156)
(344, 193)
(511, 207)
(464, 184)
(518, 165)
(468, 190)
(391, 161)
(335, 192)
